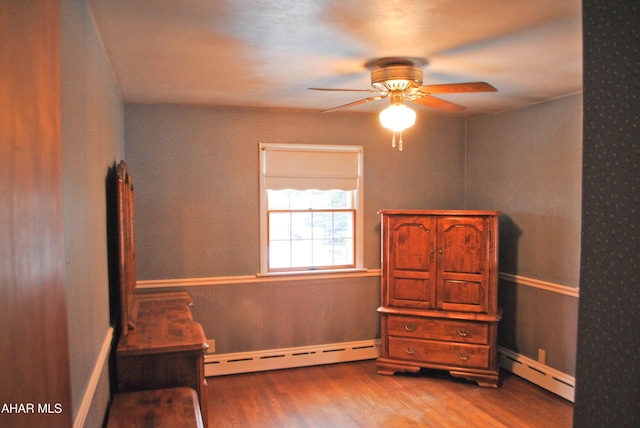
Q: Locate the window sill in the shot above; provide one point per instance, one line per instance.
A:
(320, 272)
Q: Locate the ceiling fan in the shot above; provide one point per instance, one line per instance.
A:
(400, 79)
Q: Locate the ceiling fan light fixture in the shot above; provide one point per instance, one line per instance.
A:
(397, 117)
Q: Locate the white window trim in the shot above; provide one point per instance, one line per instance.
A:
(359, 206)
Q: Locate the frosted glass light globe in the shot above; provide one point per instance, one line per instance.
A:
(397, 117)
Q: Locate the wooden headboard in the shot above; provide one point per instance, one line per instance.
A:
(127, 248)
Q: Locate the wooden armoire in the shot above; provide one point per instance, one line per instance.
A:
(440, 293)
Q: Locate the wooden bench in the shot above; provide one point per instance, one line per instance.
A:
(158, 408)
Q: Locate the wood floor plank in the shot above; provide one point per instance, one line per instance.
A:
(353, 395)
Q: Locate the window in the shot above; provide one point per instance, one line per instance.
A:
(311, 207)
(310, 229)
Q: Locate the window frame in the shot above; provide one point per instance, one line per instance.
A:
(358, 201)
(351, 211)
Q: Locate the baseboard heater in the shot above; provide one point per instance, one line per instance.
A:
(273, 359)
(537, 373)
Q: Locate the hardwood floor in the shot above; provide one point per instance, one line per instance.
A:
(353, 395)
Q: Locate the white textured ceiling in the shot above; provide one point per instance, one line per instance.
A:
(267, 53)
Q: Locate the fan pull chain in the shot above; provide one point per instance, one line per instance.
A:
(393, 140)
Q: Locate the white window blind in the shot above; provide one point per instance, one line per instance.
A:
(324, 174)
(300, 167)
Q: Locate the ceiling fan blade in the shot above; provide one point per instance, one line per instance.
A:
(355, 103)
(345, 90)
(439, 104)
(453, 88)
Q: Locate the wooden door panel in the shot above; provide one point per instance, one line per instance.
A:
(463, 245)
(34, 362)
(463, 265)
(412, 246)
(468, 296)
(411, 262)
(411, 292)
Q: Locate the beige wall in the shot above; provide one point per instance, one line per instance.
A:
(92, 140)
(195, 172)
(528, 164)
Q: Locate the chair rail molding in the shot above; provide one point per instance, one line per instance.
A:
(543, 285)
(254, 279)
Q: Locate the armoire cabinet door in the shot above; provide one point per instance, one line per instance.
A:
(410, 261)
(463, 264)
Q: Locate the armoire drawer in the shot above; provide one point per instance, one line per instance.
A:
(440, 353)
(439, 329)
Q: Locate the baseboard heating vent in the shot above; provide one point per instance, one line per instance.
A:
(540, 374)
(273, 359)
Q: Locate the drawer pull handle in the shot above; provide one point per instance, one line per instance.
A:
(463, 332)
(410, 350)
(463, 357)
(409, 327)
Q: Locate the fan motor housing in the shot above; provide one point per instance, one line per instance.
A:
(396, 78)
